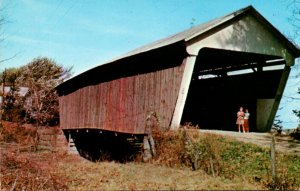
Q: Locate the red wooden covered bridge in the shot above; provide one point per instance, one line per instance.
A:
(201, 75)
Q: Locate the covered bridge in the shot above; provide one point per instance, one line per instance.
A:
(201, 75)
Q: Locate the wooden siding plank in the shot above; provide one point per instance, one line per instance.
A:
(85, 106)
(113, 114)
(88, 106)
(162, 98)
(104, 104)
(136, 103)
(139, 102)
(100, 106)
(131, 109)
(101, 102)
(78, 110)
(157, 92)
(121, 104)
(109, 107)
(93, 94)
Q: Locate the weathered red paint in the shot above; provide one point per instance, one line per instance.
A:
(123, 104)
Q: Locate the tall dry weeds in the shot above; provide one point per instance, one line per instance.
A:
(169, 148)
(204, 152)
(23, 169)
(21, 172)
(15, 133)
(187, 147)
(283, 181)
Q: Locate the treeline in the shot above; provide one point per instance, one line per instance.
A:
(28, 93)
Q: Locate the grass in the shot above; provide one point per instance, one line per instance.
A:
(236, 166)
(139, 176)
(253, 162)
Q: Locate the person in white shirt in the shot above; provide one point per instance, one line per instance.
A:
(246, 120)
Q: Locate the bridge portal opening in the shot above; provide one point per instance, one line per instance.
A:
(224, 80)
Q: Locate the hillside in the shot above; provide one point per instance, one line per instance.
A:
(233, 165)
(284, 143)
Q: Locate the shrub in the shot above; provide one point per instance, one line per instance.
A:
(13, 132)
(296, 133)
(203, 152)
(186, 147)
(283, 181)
(169, 148)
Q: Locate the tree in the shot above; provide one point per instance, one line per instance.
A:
(294, 19)
(9, 76)
(297, 112)
(293, 7)
(12, 101)
(41, 76)
(277, 124)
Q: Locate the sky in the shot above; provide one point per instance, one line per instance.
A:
(87, 33)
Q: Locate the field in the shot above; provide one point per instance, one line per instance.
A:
(224, 163)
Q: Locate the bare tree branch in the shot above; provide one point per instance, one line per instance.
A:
(4, 60)
(293, 98)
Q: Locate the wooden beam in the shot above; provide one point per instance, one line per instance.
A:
(278, 96)
(252, 66)
(183, 91)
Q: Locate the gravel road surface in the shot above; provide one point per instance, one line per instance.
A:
(284, 143)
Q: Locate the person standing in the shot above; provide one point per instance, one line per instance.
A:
(246, 120)
(240, 119)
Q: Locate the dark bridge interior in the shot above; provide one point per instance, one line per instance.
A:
(98, 145)
(225, 80)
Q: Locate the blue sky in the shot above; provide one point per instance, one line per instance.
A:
(86, 33)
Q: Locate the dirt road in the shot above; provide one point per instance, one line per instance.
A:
(283, 143)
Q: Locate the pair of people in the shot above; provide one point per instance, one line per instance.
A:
(243, 120)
